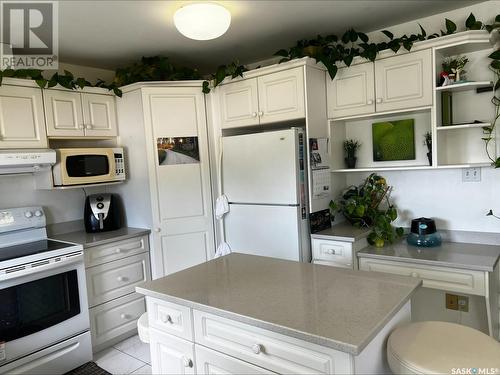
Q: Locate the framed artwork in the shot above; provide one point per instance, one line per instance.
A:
(393, 140)
(178, 150)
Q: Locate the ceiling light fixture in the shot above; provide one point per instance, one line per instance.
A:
(202, 21)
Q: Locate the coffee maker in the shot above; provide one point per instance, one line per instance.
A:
(102, 213)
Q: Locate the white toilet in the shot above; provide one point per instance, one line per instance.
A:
(143, 328)
(440, 347)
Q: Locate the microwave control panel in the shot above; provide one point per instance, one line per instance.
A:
(119, 163)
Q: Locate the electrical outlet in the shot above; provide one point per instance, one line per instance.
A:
(471, 174)
(451, 301)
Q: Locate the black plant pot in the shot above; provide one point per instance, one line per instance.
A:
(350, 162)
(429, 156)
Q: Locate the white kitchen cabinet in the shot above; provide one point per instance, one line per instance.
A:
(212, 362)
(352, 92)
(239, 103)
(281, 96)
(22, 122)
(170, 355)
(404, 81)
(393, 83)
(74, 114)
(269, 98)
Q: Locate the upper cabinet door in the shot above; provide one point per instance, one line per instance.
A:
(239, 103)
(281, 96)
(352, 92)
(404, 81)
(63, 112)
(99, 115)
(21, 118)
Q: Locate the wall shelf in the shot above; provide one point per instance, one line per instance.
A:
(463, 126)
(383, 169)
(465, 86)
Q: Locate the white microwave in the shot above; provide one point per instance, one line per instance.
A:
(81, 166)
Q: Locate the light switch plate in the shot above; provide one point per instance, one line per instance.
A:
(471, 174)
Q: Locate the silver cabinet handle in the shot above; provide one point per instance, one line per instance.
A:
(379, 100)
(187, 362)
(257, 348)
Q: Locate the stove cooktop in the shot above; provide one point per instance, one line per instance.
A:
(30, 248)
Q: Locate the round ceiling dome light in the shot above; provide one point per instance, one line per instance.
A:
(202, 21)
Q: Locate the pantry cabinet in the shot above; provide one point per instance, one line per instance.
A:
(74, 114)
(21, 117)
(394, 83)
(265, 99)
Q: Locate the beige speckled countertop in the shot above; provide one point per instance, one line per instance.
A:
(337, 308)
(342, 232)
(468, 256)
(101, 238)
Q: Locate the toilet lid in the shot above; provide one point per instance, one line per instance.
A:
(440, 347)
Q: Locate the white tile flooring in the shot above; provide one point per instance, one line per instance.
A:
(130, 356)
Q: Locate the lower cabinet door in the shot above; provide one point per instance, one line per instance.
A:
(211, 362)
(170, 355)
(115, 318)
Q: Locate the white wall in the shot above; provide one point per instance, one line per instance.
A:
(89, 73)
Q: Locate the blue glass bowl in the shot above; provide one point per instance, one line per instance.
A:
(424, 240)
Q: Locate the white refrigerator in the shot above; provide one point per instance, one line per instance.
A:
(264, 178)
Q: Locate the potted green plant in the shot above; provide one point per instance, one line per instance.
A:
(368, 205)
(350, 148)
(428, 143)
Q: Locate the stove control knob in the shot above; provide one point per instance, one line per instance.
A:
(38, 213)
(100, 205)
(28, 214)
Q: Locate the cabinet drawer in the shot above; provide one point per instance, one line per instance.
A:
(332, 251)
(270, 350)
(211, 362)
(116, 279)
(443, 278)
(115, 318)
(116, 250)
(333, 264)
(169, 317)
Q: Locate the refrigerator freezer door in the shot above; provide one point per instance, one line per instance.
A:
(272, 231)
(261, 168)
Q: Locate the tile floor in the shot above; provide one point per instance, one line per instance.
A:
(130, 356)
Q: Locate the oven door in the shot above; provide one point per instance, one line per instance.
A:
(39, 309)
(87, 166)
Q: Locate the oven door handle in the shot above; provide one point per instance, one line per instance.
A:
(41, 266)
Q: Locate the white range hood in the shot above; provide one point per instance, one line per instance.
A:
(26, 161)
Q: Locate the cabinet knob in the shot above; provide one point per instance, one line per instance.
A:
(257, 348)
(187, 362)
(331, 251)
(88, 126)
(414, 274)
(125, 316)
(369, 102)
(254, 114)
(379, 100)
(118, 250)
(81, 127)
(121, 278)
(157, 230)
(166, 319)
(261, 113)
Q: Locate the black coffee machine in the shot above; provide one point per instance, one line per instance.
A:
(102, 213)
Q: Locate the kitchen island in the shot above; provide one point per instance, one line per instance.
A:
(249, 314)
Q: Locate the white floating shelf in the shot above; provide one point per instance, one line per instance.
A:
(86, 185)
(380, 169)
(464, 126)
(465, 86)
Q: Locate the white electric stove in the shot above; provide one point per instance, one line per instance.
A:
(44, 320)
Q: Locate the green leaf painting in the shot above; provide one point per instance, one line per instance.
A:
(393, 140)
